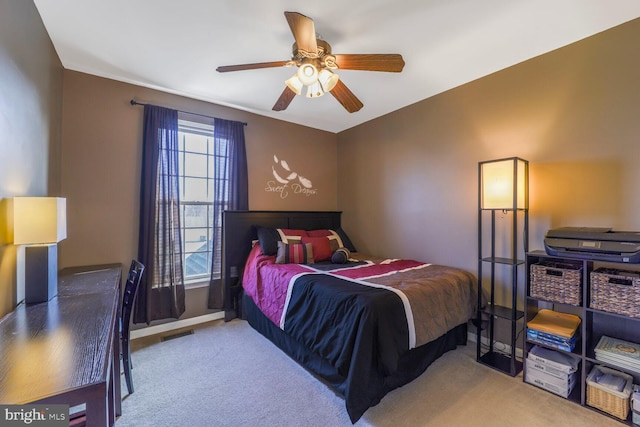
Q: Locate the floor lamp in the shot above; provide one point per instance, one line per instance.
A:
(503, 192)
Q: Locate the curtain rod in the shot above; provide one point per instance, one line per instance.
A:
(134, 102)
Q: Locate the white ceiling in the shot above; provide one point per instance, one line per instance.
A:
(175, 46)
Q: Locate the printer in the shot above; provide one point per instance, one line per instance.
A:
(592, 243)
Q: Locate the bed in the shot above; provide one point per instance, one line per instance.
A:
(365, 326)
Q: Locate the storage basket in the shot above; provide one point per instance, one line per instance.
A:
(635, 405)
(612, 402)
(616, 291)
(557, 282)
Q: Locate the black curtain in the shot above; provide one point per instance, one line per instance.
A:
(231, 192)
(161, 293)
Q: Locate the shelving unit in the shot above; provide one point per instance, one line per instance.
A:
(594, 324)
(496, 250)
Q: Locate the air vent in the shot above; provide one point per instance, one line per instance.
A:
(178, 335)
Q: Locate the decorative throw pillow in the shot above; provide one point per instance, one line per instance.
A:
(338, 238)
(294, 253)
(346, 242)
(288, 235)
(321, 233)
(340, 256)
(321, 248)
(269, 238)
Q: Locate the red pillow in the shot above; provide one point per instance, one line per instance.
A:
(318, 233)
(321, 248)
(339, 235)
(332, 236)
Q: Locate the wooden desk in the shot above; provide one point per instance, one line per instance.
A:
(67, 350)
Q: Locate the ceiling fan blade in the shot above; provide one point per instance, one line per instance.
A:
(345, 97)
(389, 62)
(304, 31)
(242, 67)
(285, 99)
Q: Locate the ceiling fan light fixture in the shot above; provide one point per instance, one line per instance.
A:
(327, 79)
(308, 74)
(315, 64)
(295, 84)
(314, 90)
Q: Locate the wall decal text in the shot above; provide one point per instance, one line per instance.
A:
(288, 182)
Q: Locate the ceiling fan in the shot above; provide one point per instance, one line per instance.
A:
(316, 63)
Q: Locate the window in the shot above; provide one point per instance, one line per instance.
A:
(196, 169)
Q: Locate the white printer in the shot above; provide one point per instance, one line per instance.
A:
(602, 244)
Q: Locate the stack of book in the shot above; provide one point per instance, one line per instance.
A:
(617, 352)
(554, 329)
(552, 370)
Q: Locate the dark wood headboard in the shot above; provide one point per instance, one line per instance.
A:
(239, 230)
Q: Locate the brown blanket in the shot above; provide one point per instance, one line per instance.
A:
(440, 297)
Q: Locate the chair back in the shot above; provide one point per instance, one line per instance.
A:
(129, 294)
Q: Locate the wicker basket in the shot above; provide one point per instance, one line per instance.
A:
(635, 405)
(612, 402)
(616, 291)
(557, 282)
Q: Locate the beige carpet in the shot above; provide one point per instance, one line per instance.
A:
(226, 374)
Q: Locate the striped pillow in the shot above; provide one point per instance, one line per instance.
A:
(294, 253)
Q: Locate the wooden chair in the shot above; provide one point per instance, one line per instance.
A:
(130, 289)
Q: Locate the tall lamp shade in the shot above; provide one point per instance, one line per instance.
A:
(40, 223)
(504, 184)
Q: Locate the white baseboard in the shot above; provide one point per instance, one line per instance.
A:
(170, 326)
(502, 347)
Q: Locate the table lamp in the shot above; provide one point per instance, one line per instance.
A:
(40, 223)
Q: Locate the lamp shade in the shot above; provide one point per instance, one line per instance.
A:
(39, 220)
(308, 74)
(295, 84)
(504, 184)
(314, 90)
(327, 79)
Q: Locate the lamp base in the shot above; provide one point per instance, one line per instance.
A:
(41, 273)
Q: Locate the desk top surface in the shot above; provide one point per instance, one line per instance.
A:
(63, 344)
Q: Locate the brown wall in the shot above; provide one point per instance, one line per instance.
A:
(101, 153)
(408, 181)
(30, 117)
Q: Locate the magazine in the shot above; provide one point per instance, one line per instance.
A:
(535, 334)
(565, 347)
(618, 362)
(619, 348)
(555, 322)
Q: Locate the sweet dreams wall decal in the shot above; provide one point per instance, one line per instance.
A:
(287, 182)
